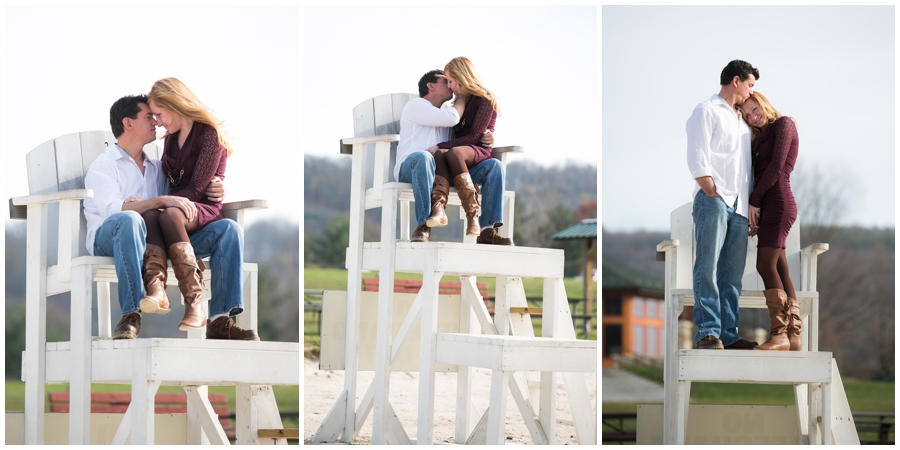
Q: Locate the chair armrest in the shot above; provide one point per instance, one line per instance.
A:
(235, 210)
(347, 143)
(246, 205)
(668, 244)
(815, 249)
(509, 149)
(18, 206)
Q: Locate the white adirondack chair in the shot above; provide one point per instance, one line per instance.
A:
(56, 233)
(377, 122)
(822, 410)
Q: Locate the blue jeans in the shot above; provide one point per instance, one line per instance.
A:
(223, 242)
(720, 239)
(491, 175)
(418, 169)
(123, 236)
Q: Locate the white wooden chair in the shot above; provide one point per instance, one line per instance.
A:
(56, 233)
(377, 122)
(818, 390)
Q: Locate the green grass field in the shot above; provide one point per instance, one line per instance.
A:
(336, 279)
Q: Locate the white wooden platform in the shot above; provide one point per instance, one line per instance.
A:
(181, 362)
(454, 259)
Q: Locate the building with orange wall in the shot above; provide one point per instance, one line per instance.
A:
(633, 313)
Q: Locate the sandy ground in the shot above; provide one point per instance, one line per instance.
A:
(322, 387)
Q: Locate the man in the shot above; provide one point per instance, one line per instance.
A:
(718, 156)
(424, 124)
(126, 183)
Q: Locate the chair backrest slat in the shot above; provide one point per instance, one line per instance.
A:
(60, 164)
(380, 115)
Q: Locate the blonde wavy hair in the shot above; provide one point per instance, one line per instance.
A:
(174, 96)
(768, 110)
(463, 71)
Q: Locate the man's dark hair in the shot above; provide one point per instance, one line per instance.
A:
(126, 106)
(737, 68)
(430, 77)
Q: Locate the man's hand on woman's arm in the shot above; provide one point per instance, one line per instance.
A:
(215, 190)
(487, 139)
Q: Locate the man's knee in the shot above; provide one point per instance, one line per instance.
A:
(129, 220)
(423, 160)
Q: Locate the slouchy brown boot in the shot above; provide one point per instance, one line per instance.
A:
(465, 188)
(190, 282)
(439, 192)
(794, 324)
(155, 274)
(776, 301)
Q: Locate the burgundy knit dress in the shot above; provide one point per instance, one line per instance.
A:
(775, 151)
(189, 169)
(478, 117)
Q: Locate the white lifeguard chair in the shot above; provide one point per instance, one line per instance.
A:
(56, 231)
(823, 413)
(526, 364)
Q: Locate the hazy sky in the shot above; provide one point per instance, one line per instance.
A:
(829, 67)
(540, 61)
(65, 66)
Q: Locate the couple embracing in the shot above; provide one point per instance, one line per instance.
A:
(429, 158)
(145, 211)
(735, 137)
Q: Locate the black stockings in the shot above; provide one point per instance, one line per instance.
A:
(165, 227)
(449, 163)
(772, 266)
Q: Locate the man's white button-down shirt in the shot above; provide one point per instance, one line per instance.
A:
(718, 145)
(422, 126)
(115, 176)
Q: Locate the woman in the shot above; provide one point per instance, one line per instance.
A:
(454, 157)
(772, 212)
(195, 152)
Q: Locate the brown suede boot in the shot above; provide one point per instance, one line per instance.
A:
(155, 274)
(439, 192)
(190, 281)
(776, 301)
(421, 234)
(466, 191)
(794, 324)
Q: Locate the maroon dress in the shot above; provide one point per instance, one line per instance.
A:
(478, 117)
(775, 152)
(189, 169)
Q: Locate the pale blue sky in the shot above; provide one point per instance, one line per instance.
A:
(540, 60)
(64, 66)
(829, 67)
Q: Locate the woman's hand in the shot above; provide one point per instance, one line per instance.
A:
(754, 220)
(433, 149)
(215, 190)
(133, 198)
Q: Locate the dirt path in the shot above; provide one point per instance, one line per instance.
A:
(322, 387)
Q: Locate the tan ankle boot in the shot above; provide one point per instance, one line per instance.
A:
(794, 324)
(776, 301)
(465, 188)
(155, 273)
(190, 282)
(439, 192)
